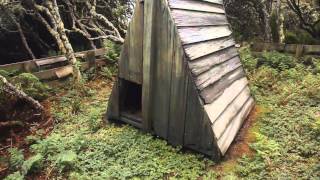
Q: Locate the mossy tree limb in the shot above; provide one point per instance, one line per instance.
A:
(7, 88)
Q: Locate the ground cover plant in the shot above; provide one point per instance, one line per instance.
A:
(281, 138)
(287, 135)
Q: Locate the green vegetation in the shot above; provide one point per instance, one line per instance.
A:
(113, 50)
(28, 83)
(286, 133)
(112, 56)
(299, 37)
(31, 85)
(287, 140)
(82, 146)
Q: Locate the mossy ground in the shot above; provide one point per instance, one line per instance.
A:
(279, 141)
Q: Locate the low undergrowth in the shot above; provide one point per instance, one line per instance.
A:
(285, 138)
(288, 137)
(83, 146)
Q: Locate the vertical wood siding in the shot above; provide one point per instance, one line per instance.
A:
(195, 92)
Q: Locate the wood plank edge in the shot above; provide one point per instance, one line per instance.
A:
(200, 11)
(246, 109)
(203, 41)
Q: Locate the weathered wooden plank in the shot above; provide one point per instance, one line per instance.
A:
(136, 44)
(228, 136)
(230, 113)
(213, 91)
(148, 59)
(51, 61)
(194, 115)
(98, 52)
(214, 1)
(198, 50)
(198, 34)
(113, 109)
(196, 6)
(193, 18)
(289, 48)
(312, 49)
(91, 59)
(124, 59)
(163, 66)
(26, 66)
(49, 74)
(215, 109)
(31, 65)
(207, 137)
(179, 82)
(207, 62)
(213, 75)
(64, 72)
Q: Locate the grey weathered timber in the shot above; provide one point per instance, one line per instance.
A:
(232, 129)
(212, 92)
(201, 49)
(209, 146)
(113, 102)
(196, 6)
(190, 35)
(49, 62)
(193, 18)
(214, 1)
(194, 116)
(136, 45)
(216, 108)
(178, 94)
(124, 72)
(230, 112)
(193, 89)
(148, 56)
(213, 75)
(207, 62)
(288, 48)
(90, 57)
(163, 67)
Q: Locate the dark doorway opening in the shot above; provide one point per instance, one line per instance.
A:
(131, 101)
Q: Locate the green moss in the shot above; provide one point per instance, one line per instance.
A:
(31, 85)
(4, 73)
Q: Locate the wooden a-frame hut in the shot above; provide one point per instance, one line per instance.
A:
(180, 75)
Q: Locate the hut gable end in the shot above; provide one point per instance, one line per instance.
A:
(180, 76)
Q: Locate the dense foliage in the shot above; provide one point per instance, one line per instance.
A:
(287, 140)
(289, 21)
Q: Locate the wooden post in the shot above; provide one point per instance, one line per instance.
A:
(91, 59)
(148, 52)
(299, 50)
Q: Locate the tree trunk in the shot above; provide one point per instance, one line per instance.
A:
(69, 50)
(20, 31)
(24, 41)
(266, 22)
(58, 31)
(280, 21)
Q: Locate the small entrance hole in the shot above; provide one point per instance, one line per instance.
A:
(131, 100)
